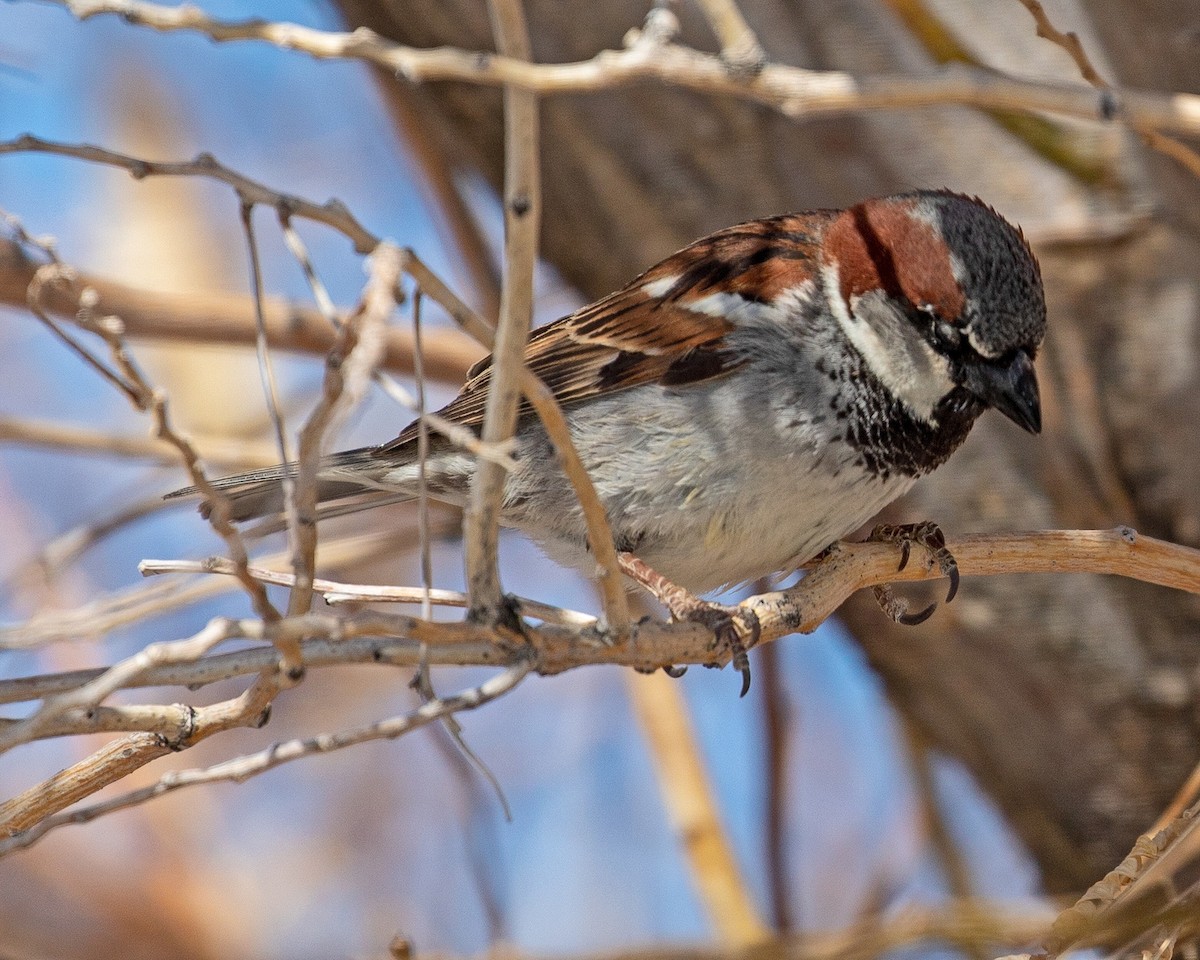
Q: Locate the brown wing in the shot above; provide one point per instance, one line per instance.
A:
(658, 329)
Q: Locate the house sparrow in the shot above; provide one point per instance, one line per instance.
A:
(754, 397)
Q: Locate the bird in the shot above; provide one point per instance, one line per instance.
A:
(751, 399)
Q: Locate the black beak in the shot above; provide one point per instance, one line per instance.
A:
(1011, 388)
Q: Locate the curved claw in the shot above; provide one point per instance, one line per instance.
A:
(674, 671)
(954, 578)
(741, 662)
(905, 553)
(912, 619)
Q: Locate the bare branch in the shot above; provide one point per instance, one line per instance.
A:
(90, 694)
(600, 540)
(333, 213)
(79, 439)
(1069, 41)
(739, 45)
(792, 90)
(651, 645)
(522, 221)
(334, 592)
(1181, 153)
(349, 368)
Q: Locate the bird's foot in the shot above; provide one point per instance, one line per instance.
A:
(735, 628)
(928, 535)
(505, 617)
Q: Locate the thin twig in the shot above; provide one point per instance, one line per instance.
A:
(114, 678)
(333, 213)
(132, 383)
(1069, 41)
(334, 592)
(600, 541)
(426, 547)
(522, 222)
(739, 45)
(266, 369)
(147, 600)
(349, 368)
(299, 251)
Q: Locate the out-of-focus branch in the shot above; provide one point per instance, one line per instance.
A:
(522, 222)
(72, 439)
(1049, 138)
(223, 318)
(693, 810)
(792, 90)
(1069, 41)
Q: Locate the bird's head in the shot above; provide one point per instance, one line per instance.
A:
(943, 299)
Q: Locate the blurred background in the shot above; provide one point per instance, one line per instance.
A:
(1012, 747)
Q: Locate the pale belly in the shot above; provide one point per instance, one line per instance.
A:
(715, 503)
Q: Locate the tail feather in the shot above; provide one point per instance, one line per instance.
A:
(259, 493)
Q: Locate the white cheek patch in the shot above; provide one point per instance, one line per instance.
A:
(892, 347)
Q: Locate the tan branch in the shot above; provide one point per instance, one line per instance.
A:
(612, 585)
(78, 439)
(522, 222)
(739, 45)
(1069, 41)
(364, 637)
(112, 762)
(799, 609)
(334, 592)
(122, 607)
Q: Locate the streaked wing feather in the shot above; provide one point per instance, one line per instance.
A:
(631, 338)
